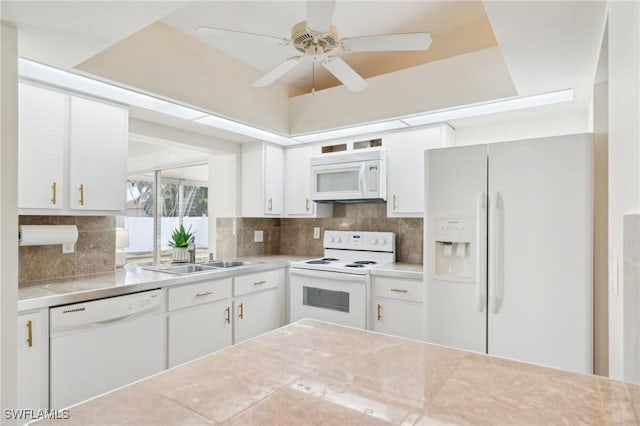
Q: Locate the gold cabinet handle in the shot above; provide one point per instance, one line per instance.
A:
(227, 316)
(400, 290)
(259, 282)
(306, 204)
(53, 193)
(395, 197)
(206, 293)
(30, 333)
(241, 308)
(81, 188)
(270, 204)
(379, 312)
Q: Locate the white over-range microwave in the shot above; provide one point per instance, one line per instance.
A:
(355, 176)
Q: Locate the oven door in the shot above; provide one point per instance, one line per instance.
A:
(328, 296)
(344, 181)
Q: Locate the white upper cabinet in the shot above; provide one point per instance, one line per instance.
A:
(262, 169)
(72, 153)
(97, 155)
(297, 185)
(42, 135)
(405, 171)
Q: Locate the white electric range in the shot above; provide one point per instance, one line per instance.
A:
(336, 287)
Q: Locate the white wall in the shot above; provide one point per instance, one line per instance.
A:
(480, 76)
(8, 215)
(207, 78)
(600, 237)
(624, 156)
(540, 122)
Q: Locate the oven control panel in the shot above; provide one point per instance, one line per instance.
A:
(355, 240)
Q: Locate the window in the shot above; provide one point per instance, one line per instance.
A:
(182, 200)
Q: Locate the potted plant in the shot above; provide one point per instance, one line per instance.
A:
(180, 241)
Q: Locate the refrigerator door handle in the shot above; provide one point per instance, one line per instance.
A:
(481, 220)
(494, 259)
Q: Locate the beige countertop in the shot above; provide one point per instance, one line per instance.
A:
(126, 280)
(399, 270)
(311, 372)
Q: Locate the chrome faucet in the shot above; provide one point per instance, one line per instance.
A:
(192, 251)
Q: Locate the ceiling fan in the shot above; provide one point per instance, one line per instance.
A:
(317, 38)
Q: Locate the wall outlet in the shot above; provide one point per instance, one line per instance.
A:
(257, 236)
(316, 232)
(68, 248)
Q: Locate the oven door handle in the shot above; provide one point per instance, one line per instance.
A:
(327, 275)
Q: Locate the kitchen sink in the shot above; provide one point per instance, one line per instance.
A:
(182, 269)
(194, 268)
(227, 263)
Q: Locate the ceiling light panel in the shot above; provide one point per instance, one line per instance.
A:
(491, 108)
(351, 131)
(243, 129)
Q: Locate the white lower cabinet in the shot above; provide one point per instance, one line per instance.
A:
(255, 314)
(257, 304)
(397, 306)
(207, 316)
(199, 320)
(33, 360)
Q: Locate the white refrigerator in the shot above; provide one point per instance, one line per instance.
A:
(509, 250)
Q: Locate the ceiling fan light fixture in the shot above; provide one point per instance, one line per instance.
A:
(309, 41)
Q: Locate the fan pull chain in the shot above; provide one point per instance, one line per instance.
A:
(313, 77)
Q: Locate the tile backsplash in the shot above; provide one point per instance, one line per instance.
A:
(295, 236)
(94, 251)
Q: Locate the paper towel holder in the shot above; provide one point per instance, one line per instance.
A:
(39, 235)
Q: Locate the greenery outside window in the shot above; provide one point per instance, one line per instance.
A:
(183, 200)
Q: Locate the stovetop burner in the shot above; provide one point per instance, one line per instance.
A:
(354, 265)
(323, 261)
(365, 262)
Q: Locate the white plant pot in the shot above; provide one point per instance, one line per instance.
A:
(180, 254)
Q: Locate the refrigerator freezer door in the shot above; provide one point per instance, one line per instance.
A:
(455, 179)
(540, 279)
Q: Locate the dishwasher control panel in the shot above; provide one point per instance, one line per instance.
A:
(68, 318)
(141, 303)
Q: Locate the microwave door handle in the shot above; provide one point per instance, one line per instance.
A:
(363, 180)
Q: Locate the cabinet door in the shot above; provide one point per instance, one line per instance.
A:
(398, 318)
(405, 154)
(297, 182)
(97, 155)
(41, 148)
(33, 360)
(197, 331)
(255, 313)
(273, 165)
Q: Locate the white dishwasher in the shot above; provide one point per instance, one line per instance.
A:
(100, 345)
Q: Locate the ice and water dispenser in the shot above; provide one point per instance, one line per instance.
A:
(453, 238)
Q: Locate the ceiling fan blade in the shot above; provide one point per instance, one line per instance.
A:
(319, 14)
(278, 71)
(221, 32)
(381, 43)
(343, 72)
